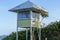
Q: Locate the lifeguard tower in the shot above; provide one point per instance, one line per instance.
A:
(28, 16)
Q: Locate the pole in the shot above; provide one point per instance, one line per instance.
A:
(31, 33)
(17, 29)
(26, 34)
(31, 27)
(17, 34)
(39, 34)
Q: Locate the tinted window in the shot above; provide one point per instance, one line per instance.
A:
(35, 15)
(24, 15)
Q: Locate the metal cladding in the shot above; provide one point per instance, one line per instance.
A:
(27, 6)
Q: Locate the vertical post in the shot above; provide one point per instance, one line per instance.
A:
(31, 27)
(17, 34)
(26, 34)
(46, 38)
(39, 33)
(17, 29)
(40, 30)
(31, 33)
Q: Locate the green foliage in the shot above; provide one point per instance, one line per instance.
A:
(10, 37)
(51, 32)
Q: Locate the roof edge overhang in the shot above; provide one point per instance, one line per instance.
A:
(40, 11)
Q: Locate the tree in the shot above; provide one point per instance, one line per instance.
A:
(51, 32)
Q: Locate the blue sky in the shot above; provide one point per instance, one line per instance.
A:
(8, 19)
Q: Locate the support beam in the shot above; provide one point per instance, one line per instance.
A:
(26, 34)
(17, 29)
(31, 38)
(39, 33)
(31, 34)
(17, 33)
